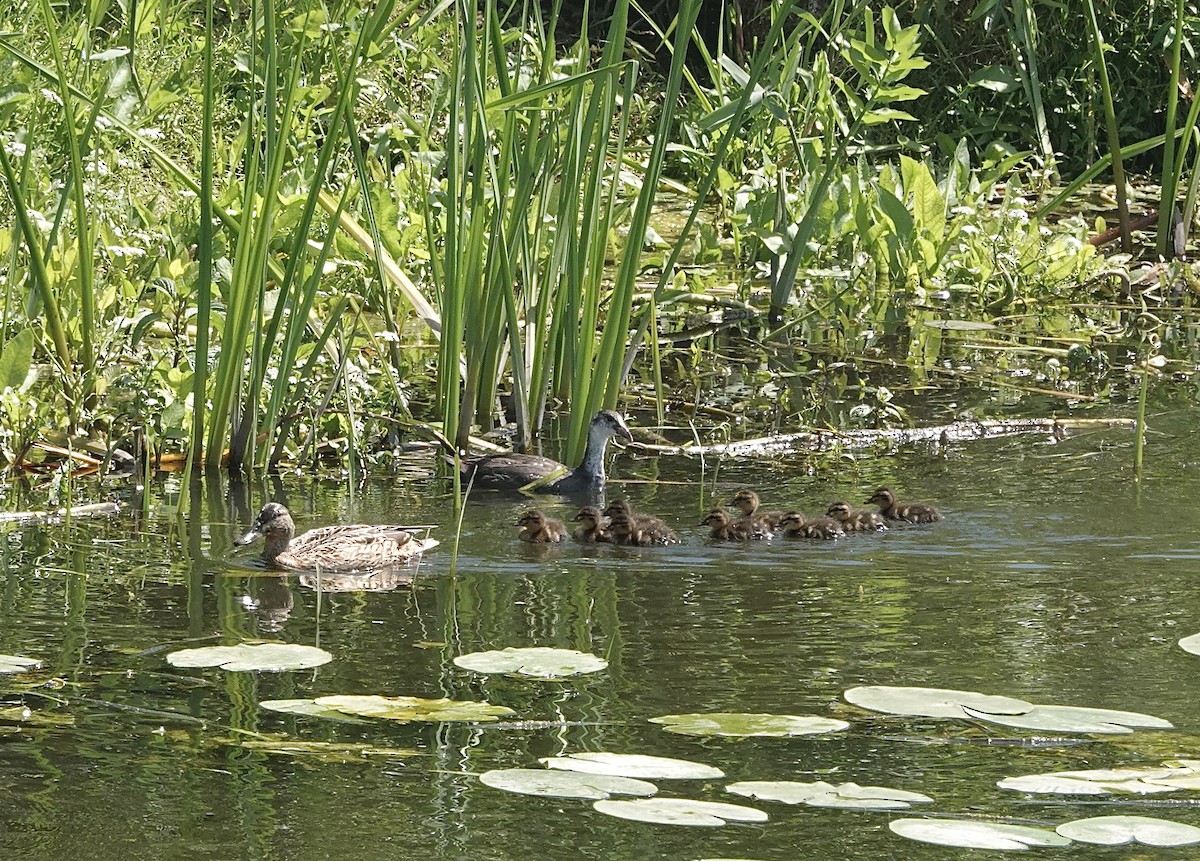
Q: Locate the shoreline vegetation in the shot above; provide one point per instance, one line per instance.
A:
(293, 233)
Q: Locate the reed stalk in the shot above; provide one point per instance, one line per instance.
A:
(1170, 172)
(1110, 122)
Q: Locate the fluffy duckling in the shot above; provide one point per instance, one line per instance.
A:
(537, 528)
(795, 525)
(627, 530)
(910, 512)
(638, 518)
(721, 527)
(591, 528)
(356, 547)
(746, 501)
(855, 519)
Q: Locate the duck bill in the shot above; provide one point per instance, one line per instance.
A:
(248, 537)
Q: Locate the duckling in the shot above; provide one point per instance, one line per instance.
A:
(537, 528)
(911, 512)
(591, 528)
(639, 519)
(515, 470)
(855, 519)
(723, 528)
(630, 531)
(356, 547)
(795, 525)
(746, 501)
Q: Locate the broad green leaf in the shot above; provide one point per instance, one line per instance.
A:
(537, 662)
(406, 709)
(633, 765)
(252, 657)
(1115, 830)
(973, 834)
(680, 811)
(998, 79)
(16, 357)
(748, 724)
(894, 208)
(564, 784)
(928, 206)
(931, 702)
(885, 115)
(822, 794)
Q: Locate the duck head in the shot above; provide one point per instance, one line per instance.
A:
(618, 506)
(745, 501)
(883, 497)
(589, 516)
(792, 521)
(838, 511)
(274, 522)
(717, 517)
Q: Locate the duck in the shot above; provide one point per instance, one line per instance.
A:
(722, 527)
(855, 519)
(795, 525)
(910, 512)
(630, 531)
(645, 522)
(591, 528)
(747, 502)
(355, 547)
(513, 471)
(537, 528)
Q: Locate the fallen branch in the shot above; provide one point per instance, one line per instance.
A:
(94, 509)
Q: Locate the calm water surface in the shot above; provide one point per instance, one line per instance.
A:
(1053, 579)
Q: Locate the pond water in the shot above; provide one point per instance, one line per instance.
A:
(1053, 578)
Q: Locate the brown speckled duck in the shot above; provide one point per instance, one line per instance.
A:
(640, 519)
(514, 470)
(746, 501)
(721, 527)
(855, 519)
(591, 528)
(537, 528)
(795, 525)
(357, 547)
(633, 532)
(910, 512)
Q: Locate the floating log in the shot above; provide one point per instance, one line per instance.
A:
(823, 440)
(93, 509)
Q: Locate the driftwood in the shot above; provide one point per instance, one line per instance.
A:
(95, 509)
(823, 440)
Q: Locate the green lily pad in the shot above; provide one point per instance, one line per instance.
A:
(564, 784)
(1191, 644)
(1115, 830)
(1058, 784)
(680, 811)
(252, 657)
(822, 794)
(973, 834)
(17, 664)
(1072, 719)
(748, 724)
(633, 765)
(536, 662)
(406, 709)
(308, 708)
(931, 702)
(1191, 780)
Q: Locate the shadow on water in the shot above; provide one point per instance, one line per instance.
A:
(1049, 580)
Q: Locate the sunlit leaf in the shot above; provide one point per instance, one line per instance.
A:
(680, 811)
(564, 784)
(1115, 830)
(931, 702)
(1072, 719)
(748, 724)
(1191, 644)
(251, 657)
(17, 664)
(973, 834)
(536, 662)
(413, 708)
(633, 765)
(822, 794)
(308, 708)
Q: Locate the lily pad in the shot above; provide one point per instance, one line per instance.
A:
(537, 662)
(932, 702)
(680, 811)
(822, 794)
(252, 657)
(308, 708)
(749, 724)
(17, 664)
(633, 765)
(1072, 719)
(1059, 784)
(1115, 830)
(973, 834)
(564, 784)
(1191, 644)
(406, 709)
